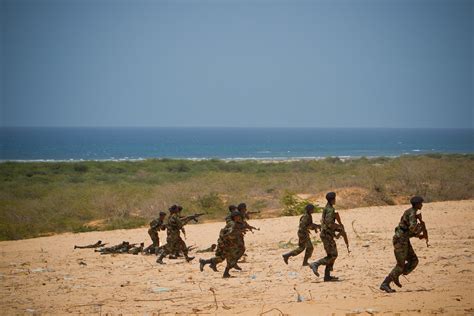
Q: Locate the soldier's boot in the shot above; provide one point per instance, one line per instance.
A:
(385, 286)
(396, 281)
(236, 267)
(160, 259)
(286, 256)
(226, 273)
(188, 259)
(327, 275)
(314, 266)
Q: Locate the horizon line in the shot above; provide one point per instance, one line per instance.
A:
(233, 127)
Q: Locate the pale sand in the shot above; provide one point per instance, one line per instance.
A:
(442, 283)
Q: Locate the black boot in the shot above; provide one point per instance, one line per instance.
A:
(327, 275)
(160, 259)
(385, 286)
(314, 266)
(236, 267)
(286, 256)
(396, 281)
(226, 273)
(188, 259)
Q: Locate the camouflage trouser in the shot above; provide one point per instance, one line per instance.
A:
(219, 255)
(304, 242)
(175, 244)
(230, 252)
(330, 247)
(405, 255)
(154, 237)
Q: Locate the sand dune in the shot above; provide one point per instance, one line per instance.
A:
(47, 276)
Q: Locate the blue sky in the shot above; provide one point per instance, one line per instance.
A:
(259, 63)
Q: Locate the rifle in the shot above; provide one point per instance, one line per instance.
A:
(342, 232)
(192, 217)
(253, 212)
(423, 229)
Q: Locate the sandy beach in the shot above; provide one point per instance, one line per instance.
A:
(47, 276)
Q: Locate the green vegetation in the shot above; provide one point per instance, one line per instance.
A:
(43, 198)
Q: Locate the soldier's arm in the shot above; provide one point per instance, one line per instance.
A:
(330, 220)
(414, 227)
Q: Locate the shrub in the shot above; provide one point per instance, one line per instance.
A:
(294, 205)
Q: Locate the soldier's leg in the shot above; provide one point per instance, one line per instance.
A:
(309, 251)
(412, 260)
(326, 239)
(400, 250)
(331, 255)
(166, 250)
(184, 249)
(301, 247)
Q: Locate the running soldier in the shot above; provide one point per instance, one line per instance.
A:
(404, 253)
(304, 240)
(329, 228)
(174, 243)
(156, 225)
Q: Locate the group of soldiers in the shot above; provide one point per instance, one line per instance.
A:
(411, 225)
(230, 245)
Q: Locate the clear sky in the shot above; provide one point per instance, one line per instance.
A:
(258, 63)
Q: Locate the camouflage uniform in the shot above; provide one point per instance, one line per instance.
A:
(304, 240)
(156, 225)
(233, 245)
(404, 253)
(328, 233)
(174, 242)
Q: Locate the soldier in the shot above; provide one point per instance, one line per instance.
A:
(135, 250)
(404, 253)
(328, 233)
(224, 246)
(174, 242)
(304, 240)
(96, 245)
(228, 218)
(156, 225)
(120, 248)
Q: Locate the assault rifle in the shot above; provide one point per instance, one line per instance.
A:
(342, 232)
(423, 229)
(191, 217)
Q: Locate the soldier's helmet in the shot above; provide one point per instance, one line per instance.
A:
(180, 208)
(235, 213)
(242, 206)
(162, 213)
(232, 208)
(416, 199)
(309, 207)
(173, 208)
(330, 196)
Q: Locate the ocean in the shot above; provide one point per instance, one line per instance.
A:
(62, 144)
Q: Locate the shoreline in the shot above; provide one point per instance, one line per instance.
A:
(416, 153)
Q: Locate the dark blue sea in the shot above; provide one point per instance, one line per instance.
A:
(226, 143)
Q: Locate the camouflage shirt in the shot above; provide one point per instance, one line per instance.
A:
(328, 219)
(157, 224)
(174, 225)
(306, 223)
(408, 226)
